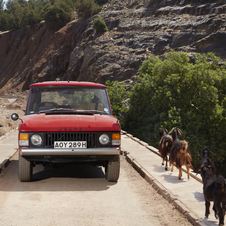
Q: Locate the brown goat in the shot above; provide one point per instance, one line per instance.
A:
(165, 144)
(180, 153)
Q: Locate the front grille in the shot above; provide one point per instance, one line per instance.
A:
(90, 137)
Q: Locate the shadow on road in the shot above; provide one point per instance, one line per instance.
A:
(67, 171)
(169, 177)
(199, 196)
(73, 177)
(173, 179)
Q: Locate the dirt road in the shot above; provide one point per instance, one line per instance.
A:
(80, 195)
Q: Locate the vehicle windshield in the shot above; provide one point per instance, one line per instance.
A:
(68, 98)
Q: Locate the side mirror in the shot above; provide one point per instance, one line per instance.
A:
(122, 114)
(14, 116)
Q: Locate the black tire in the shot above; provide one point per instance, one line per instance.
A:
(25, 170)
(112, 170)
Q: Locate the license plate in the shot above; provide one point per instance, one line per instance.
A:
(70, 144)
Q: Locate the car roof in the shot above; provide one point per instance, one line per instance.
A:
(68, 83)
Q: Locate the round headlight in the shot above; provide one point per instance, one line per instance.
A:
(104, 139)
(36, 139)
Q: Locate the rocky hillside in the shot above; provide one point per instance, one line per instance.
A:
(136, 29)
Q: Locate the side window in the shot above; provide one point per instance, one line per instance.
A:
(33, 101)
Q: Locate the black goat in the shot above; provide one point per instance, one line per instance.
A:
(180, 153)
(214, 189)
(206, 161)
(165, 144)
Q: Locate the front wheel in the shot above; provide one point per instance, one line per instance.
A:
(112, 170)
(25, 170)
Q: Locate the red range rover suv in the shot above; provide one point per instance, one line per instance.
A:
(68, 122)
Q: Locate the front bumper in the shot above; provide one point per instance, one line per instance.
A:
(68, 152)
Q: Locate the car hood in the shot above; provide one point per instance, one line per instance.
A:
(68, 123)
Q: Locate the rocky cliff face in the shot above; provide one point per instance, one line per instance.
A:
(136, 29)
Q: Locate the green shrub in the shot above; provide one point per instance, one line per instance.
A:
(2, 3)
(87, 8)
(19, 13)
(119, 98)
(99, 25)
(101, 2)
(58, 15)
(175, 93)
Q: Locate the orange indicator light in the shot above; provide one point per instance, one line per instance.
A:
(116, 136)
(23, 136)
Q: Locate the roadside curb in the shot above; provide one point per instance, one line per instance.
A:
(157, 185)
(7, 134)
(6, 162)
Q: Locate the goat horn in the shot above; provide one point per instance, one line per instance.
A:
(208, 150)
(171, 131)
(179, 131)
(212, 153)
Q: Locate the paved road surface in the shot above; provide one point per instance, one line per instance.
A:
(185, 195)
(80, 195)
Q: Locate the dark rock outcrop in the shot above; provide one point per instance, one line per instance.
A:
(136, 30)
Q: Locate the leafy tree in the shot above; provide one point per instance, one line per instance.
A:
(58, 15)
(21, 13)
(101, 2)
(2, 3)
(119, 98)
(175, 93)
(87, 8)
(3, 22)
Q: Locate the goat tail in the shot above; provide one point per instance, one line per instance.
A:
(191, 166)
(184, 147)
(221, 184)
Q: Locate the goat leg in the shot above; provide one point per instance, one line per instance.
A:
(180, 173)
(166, 167)
(219, 210)
(188, 167)
(221, 216)
(207, 204)
(171, 167)
(215, 211)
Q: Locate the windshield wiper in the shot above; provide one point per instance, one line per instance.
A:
(73, 110)
(79, 110)
(67, 111)
(97, 112)
(57, 109)
(62, 109)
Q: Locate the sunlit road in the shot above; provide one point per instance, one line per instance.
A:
(80, 195)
